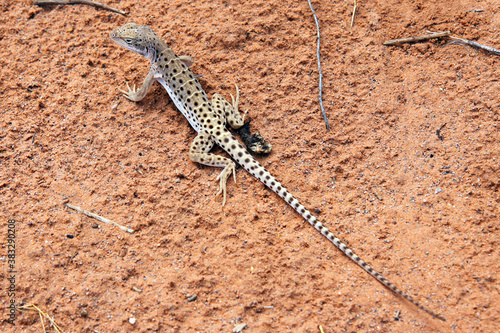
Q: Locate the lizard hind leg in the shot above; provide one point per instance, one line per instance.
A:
(229, 111)
(199, 153)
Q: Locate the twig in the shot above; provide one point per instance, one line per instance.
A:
(319, 67)
(354, 12)
(77, 2)
(475, 44)
(438, 132)
(417, 38)
(472, 43)
(397, 315)
(99, 218)
(445, 34)
(33, 307)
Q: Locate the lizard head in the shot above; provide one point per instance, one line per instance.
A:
(138, 38)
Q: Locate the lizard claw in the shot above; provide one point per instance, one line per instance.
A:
(131, 93)
(236, 119)
(223, 176)
(236, 101)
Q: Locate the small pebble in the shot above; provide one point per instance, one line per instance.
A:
(240, 327)
(131, 320)
(438, 190)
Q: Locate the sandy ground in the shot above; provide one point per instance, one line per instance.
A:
(421, 208)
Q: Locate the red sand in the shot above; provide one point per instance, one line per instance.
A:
(422, 210)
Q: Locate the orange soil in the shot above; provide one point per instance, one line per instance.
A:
(422, 210)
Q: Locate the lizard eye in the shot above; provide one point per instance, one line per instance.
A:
(128, 40)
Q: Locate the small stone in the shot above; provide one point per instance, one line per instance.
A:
(239, 327)
(131, 320)
(438, 190)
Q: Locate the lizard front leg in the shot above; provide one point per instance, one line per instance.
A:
(199, 153)
(137, 95)
(187, 60)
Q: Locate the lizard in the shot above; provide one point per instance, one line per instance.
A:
(209, 119)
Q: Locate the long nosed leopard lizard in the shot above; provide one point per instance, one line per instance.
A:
(209, 120)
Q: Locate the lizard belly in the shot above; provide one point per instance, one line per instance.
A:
(178, 103)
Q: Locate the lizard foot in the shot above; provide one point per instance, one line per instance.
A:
(131, 93)
(235, 118)
(223, 176)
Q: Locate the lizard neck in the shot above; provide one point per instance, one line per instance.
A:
(157, 47)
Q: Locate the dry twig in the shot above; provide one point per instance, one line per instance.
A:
(354, 12)
(99, 218)
(445, 34)
(77, 2)
(33, 307)
(319, 66)
(417, 38)
(475, 44)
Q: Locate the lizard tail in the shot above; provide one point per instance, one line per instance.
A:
(258, 171)
(348, 252)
